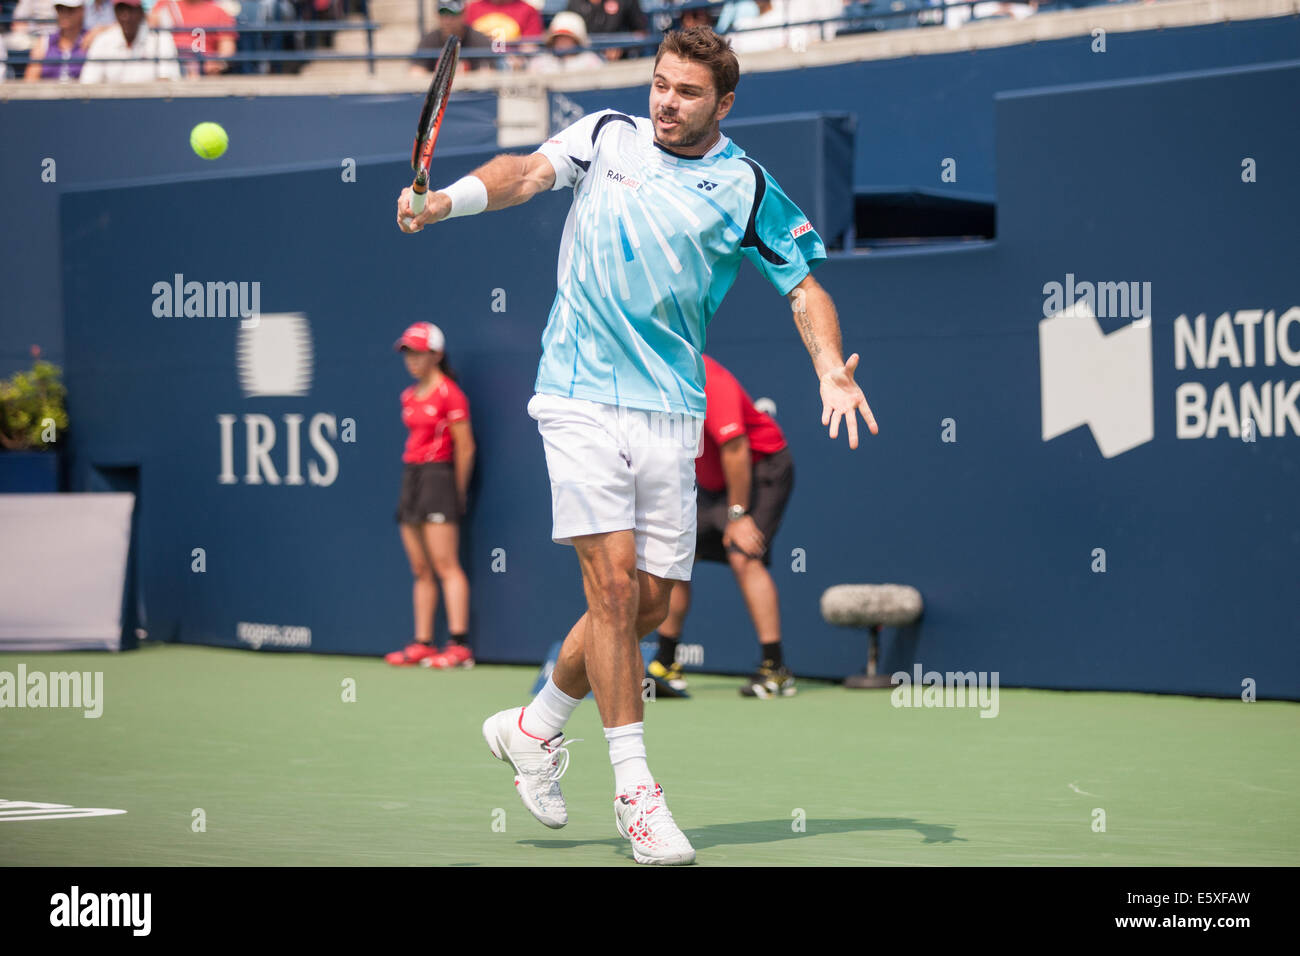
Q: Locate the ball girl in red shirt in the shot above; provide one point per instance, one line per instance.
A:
(439, 458)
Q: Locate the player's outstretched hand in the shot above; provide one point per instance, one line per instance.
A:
(436, 207)
(841, 398)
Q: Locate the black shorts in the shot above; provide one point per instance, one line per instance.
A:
(769, 490)
(428, 494)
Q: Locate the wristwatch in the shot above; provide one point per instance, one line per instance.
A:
(736, 512)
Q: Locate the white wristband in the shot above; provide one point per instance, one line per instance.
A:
(468, 196)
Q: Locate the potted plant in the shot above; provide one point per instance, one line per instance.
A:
(33, 423)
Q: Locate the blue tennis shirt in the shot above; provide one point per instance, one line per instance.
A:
(652, 243)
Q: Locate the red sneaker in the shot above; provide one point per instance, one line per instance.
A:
(413, 653)
(454, 655)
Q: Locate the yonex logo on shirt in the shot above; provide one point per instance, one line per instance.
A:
(705, 185)
(622, 179)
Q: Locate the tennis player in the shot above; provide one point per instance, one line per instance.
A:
(665, 209)
(438, 461)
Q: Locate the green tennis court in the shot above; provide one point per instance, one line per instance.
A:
(288, 773)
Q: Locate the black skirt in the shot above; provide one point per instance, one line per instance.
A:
(428, 494)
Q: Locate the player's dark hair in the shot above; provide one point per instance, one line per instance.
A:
(702, 45)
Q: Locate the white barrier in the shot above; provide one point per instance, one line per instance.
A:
(62, 571)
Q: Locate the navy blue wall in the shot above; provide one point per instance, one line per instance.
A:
(96, 141)
(914, 112)
(817, 175)
(1138, 181)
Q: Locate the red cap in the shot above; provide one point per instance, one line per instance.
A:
(422, 337)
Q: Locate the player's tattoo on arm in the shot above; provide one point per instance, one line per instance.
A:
(818, 325)
(799, 306)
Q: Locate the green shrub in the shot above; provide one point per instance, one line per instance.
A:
(29, 403)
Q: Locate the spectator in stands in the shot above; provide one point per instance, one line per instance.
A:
(36, 10)
(4, 61)
(319, 10)
(505, 20)
(699, 17)
(764, 30)
(439, 459)
(564, 44)
(451, 22)
(183, 17)
(764, 24)
(820, 10)
(735, 10)
(611, 16)
(955, 17)
(131, 39)
(99, 13)
(61, 53)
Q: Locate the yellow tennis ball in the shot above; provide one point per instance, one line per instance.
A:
(209, 140)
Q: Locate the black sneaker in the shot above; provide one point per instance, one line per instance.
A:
(669, 681)
(769, 681)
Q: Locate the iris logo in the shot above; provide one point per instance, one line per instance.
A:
(1102, 381)
(275, 356)
(275, 360)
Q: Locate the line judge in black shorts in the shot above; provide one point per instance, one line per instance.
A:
(439, 459)
(744, 475)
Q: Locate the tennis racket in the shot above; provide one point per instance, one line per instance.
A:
(426, 134)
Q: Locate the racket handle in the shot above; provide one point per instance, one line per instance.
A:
(418, 198)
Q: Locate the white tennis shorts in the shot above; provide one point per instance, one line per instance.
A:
(619, 469)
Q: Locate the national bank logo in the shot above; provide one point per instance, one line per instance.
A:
(1105, 381)
(275, 360)
(1090, 378)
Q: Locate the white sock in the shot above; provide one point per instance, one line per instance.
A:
(627, 754)
(549, 712)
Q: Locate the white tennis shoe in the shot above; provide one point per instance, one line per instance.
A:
(644, 818)
(539, 764)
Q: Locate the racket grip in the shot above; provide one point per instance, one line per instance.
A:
(418, 197)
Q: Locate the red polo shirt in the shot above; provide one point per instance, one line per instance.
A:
(730, 413)
(428, 418)
(206, 14)
(511, 20)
